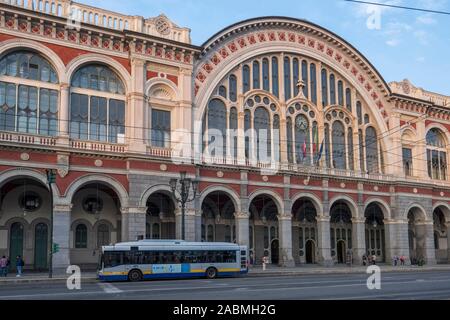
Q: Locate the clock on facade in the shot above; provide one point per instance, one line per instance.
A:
(302, 123)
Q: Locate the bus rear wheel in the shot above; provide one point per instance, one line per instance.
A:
(135, 276)
(211, 273)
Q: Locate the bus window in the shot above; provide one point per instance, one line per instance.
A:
(112, 259)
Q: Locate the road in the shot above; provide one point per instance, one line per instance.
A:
(403, 286)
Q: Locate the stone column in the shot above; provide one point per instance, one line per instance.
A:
(133, 223)
(425, 240)
(323, 242)
(285, 235)
(135, 108)
(190, 222)
(61, 237)
(359, 240)
(447, 225)
(63, 135)
(242, 228)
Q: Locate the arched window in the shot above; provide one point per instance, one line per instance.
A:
(332, 89)
(436, 155)
(275, 83)
(362, 163)
(247, 128)
(359, 112)
(156, 231)
(276, 137)
(305, 77)
(372, 150)
(31, 108)
(246, 78)
(233, 88)
(223, 91)
(287, 78)
(266, 79)
(327, 146)
(340, 93)
(256, 81)
(348, 99)
(233, 135)
(81, 236)
(289, 140)
(351, 162)
(339, 154)
(217, 127)
(103, 236)
(98, 116)
(263, 134)
(296, 75)
(324, 88)
(313, 83)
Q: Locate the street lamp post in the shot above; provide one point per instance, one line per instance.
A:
(51, 178)
(180, 190)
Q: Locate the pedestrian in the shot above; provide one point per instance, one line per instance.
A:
(364, 260)
(402, 260)
(3, 266)
(395, 260)
(19, 266)
(374, 260)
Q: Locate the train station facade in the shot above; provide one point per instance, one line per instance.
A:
(302, 151)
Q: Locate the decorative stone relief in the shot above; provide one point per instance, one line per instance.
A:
(25, 156)
(163, 167)
(220, 174)
(63, 165)
(98, 163)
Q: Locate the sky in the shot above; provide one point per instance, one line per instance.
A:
(401, 44)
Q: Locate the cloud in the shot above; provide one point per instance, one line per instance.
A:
(433, 4)
(397, 28)
(393, 42)
(420, 59)
(422, 36)
(426, 19)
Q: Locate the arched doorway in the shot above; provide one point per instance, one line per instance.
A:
(25, 202)
(160, 222)
(41, 240)
(15, 243)
(304, 231)
(340, 231)
(440, 235)
(218, 221)
(375, 235)
(96, 220)
(416, 236)
(264, 229)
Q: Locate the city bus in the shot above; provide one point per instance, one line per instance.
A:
(171, 259)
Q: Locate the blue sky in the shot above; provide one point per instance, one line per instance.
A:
(407, 44)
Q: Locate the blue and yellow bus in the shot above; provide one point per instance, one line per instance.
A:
(169, 259)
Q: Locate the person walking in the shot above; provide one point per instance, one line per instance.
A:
(3, 267)
(374, 260)
(364, 260)
(19, 266)
(402, 260)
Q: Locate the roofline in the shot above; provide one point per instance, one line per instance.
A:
(230, 27)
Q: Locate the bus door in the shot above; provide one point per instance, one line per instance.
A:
(244, 259)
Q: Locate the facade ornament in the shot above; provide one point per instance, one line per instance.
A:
(300, 86)
(63, 165)
(25, 156)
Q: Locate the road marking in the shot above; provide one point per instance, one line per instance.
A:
(109, 288)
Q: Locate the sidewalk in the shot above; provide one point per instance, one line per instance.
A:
(257, 271)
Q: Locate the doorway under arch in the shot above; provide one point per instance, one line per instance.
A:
(275, 251)
(310, 252)
(341, 231)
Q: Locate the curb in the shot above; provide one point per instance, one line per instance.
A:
(261, 274)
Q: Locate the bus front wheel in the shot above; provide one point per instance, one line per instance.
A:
(211, 273)
(135, 276)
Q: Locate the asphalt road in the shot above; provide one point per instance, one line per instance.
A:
(402, 286)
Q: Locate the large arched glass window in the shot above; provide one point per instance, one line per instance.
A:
(266, 79)
(324, 88)
(332, 89)
(233, 134)
(246, 78)
(348, 99)
(295, 75)
(287, 78)
(340, 93)
(275, 83)
(312, 68)
(81, 236)
(339, 154)
(436, 155)
(233, 88)
(372, 151)
(217, 128)
(263, 134)
(302, 139)
(351, 162)
(256, 81)
(327, 145)
(31, 108)
(305, 77)
(247, 128)
(289, 140)
(98, 115)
